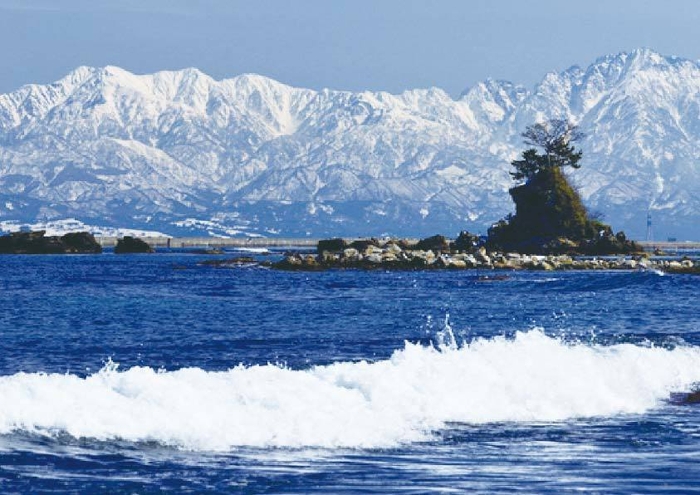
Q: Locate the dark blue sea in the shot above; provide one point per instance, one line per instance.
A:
(153, 373)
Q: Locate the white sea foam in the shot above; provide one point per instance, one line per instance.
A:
(256, 250)
(418, 390)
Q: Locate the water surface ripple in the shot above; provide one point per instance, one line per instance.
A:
(151, 373)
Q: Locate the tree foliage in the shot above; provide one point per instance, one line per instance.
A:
(554, 137)
(549, 214)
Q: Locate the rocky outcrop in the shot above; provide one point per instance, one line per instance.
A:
(394, 254)
(436, 243)
(238, 261)
(692, 398)
(331, 245)
(466, 242)
(80, 243)
(130, 244)
(550, 219)
(38, 243)
(212, 251)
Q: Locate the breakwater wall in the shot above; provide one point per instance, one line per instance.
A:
(670, 246)
(216, 242)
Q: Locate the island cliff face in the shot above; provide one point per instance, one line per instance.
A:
(549, 207)
(550, 219)
(549, 215)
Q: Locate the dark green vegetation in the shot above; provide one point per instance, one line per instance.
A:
(549, 215)
(38, 243)
(132, 245)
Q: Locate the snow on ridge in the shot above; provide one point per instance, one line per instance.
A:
(106, 143)
(70, 225)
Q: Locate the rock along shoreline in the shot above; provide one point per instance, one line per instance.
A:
(437, 253)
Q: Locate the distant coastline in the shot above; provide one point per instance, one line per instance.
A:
(216, 242)
(187, 242)
(164, 242)
(437, 252)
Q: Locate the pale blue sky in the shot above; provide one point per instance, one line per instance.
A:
(360, 44)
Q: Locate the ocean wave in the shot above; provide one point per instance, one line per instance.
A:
(528, 378)
(254, 250)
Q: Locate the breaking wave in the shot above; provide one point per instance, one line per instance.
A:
(528, 378)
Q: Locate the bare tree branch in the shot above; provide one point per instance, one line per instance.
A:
(555, 137)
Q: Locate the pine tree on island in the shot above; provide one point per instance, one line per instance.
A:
(549, 215)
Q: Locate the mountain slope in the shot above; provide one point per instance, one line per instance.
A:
(180, 152)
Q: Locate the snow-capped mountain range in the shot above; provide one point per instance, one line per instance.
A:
(181, 153)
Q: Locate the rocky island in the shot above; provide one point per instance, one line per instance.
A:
(550, 230)
(464, 253)
(132, 245)
(38, 243)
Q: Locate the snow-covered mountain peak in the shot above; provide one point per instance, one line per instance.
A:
(180, 150)
(493, 101)
(640, 58)
(251, 82)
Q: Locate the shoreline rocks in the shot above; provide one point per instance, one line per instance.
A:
(690, 398)
(238, 261)
(437, 253)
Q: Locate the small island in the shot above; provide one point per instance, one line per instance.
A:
(550, 230)
(132, 245)
(38, 243)
(549, 214)
(466, 252)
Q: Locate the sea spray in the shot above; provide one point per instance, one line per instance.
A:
(528, 378)
(445, 337)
